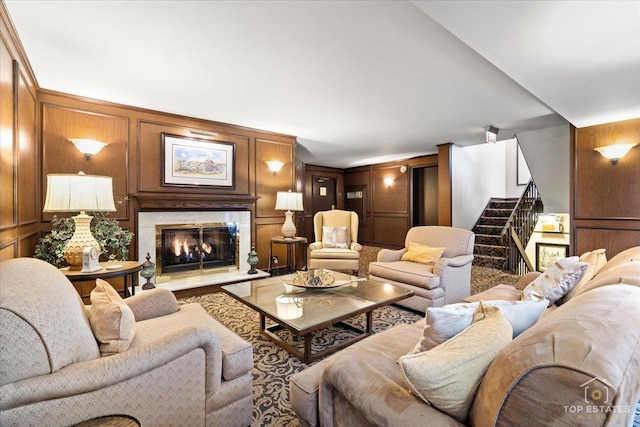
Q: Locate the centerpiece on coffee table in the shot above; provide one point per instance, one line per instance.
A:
(317, 278)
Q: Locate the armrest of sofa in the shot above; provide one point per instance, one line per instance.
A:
(390, 255)
(355, 246)
(92, 375)
(374, 396)
(459, 261)
(153, 303)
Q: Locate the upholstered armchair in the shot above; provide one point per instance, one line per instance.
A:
(181, 367)
(446, 280)
(336, 244)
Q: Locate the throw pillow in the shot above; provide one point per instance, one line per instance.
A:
(422, 254)
(112, 321)
(334, 237)
(448, 376)
(597, 260)
(556, 281)
(445, 322)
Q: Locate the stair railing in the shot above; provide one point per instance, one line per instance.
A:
(519, 228)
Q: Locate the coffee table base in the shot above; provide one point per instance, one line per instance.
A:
(307, 355)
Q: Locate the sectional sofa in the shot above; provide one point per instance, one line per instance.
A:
(579, 364)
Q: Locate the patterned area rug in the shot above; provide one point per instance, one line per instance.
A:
(273, 366)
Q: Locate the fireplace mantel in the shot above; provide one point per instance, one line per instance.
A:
(225, 202)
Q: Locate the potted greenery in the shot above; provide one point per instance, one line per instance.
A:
(114, 240)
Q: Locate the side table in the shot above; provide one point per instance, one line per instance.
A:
(128, 270)
(293, 243)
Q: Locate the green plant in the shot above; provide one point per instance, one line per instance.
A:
(114, 240)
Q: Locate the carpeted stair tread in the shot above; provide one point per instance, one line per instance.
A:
(486, 239)
(491, 230)
(490, 250)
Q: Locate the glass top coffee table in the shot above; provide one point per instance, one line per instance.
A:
(304, 310)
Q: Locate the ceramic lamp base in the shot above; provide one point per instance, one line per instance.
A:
(81, 239)
(288, 228)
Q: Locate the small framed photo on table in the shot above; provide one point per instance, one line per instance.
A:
(548, 253)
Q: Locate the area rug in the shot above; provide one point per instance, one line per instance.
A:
(273, 366)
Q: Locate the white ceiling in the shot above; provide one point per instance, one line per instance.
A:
(358, 82)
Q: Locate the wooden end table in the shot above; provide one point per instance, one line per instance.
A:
(128, 270)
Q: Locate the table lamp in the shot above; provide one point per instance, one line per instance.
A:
(79, 193)
(288, 201)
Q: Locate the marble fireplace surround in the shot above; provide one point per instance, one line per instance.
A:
(203, 209)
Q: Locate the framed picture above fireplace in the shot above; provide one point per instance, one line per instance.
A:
(193, 162)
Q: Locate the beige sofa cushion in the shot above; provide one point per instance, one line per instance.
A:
(596, 259)
(422, 254)
(112, 321)
(448, 376)
(445, 322)
(411, 273)
(556, 281)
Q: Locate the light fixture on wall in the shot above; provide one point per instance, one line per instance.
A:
(88, 147)
(491, 134)
(79, 193)
(388, 182)
(615, 152)
(274, 166)
(288, 201)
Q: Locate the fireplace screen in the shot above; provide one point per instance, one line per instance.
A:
(197, 247)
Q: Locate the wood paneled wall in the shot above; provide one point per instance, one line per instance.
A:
(134, 158)
(388, 207)
(19, 191)
(605, 198)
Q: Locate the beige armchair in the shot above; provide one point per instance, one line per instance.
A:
(336, 246)
(446, 281)
(182, 367)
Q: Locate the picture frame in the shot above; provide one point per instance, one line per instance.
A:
(195, 162)
(523, 174)
(548, 253)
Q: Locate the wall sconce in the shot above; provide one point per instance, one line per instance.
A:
(615, 152)
(388, 182)
(491, 134)
(88, 147)
(274, 166)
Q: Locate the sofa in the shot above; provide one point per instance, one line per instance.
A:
(165, 364)
(578, 364)
(443, 281)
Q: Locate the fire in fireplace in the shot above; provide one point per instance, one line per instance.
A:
(196, 248)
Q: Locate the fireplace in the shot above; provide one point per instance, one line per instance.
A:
(177, 219)
(188, 249)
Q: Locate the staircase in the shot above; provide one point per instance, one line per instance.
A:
(490, 249)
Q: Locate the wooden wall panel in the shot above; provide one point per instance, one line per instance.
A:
(28, 196)
(60, 123)
(393, 198)
(385, 230)
(262, 241)
(270, 184)
(8, 250)
(606, 190)
(613, 240)
(150, 156)
(8, 211)
(27, 245)
(605, 198)
(445, 186)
